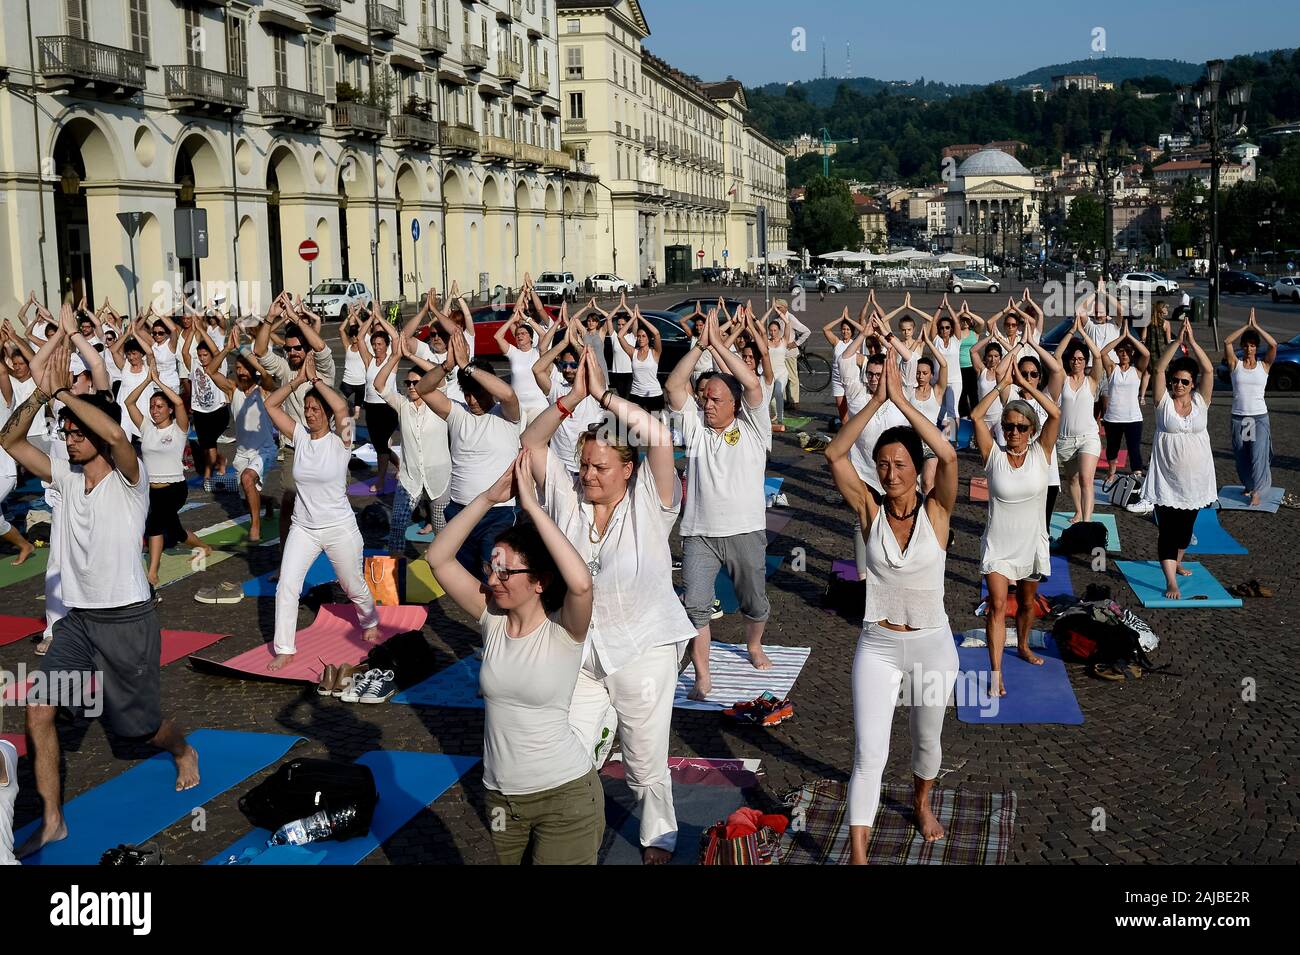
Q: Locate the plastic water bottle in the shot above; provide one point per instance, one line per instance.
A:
(302, 831)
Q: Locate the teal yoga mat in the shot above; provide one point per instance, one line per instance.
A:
(1210, 537)
(142, 802)
(1061, 520)
(407, 783)
(414, 536)
(1200, 590)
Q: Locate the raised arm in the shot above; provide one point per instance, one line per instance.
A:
(857, 495)
(504, 333)
(386, 372)
(1205, 388)
(275, 402)
(983, 433)
(678, 385)
(656, 340)
(738, 369)
(1050, 428)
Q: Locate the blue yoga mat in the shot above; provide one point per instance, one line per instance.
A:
(772, 485)
(413, 534)
(142, 802)
(1035, 694)
(455, 687)
(1233, 498)
(1057, 585)
(320, 572)
(1148, 583)
(965, 433)
(697, 807)
(1211, 538)
(407, 783)
(725, 590)
(1061, 520)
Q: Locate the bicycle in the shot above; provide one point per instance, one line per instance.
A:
(814, 372)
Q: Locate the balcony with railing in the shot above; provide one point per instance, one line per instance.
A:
(458, 138)
(529, 155)
(496, 149)
(324, 8)
(67, 62)
(583, 168)
(193, 88)
(285, 106)
(414, 131)
(434, 40)
(650, 144)
(575, 125)
(474, 57)
(384, 20)
(557, 160)
(509, 69)
(538, 81)
(359, 121)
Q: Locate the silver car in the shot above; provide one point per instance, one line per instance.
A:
(812, 282)
(969, 280)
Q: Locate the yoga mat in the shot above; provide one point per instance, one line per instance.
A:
(979, 489)
(178, 644)
(19, 740)
(772, 485)
(697, 808)
(1057, 585)
(34, 566)
(13, 629)
(735, 679)
(176, 566)
(1233, 498)
(30, 486)
(220, 482)
(141, 802)
(407, 783)
(1121, 458)
(977, 827)
(697, 770)
(1061, 520)
(320, 572)
(234, 533)
(421, 587)
(366, 454)
(725, 590)
(1200, 590)
(846, 570)
(362, 488)
(777, 521)
(965, 433)
(414, 536)
(1035, 694)
(334, 636)
(455, 687)
(1210, 538)
(797, 422)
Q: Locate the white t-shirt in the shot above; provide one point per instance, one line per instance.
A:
(482, 447)
(564, 443)
(8, 796)
(254, 430)
(320, 470)
(205, 396)
(522, 380)
(164, 452)
(527, 684)
(724, 472)
(1102, 334)
(635, 607)
(93, 532)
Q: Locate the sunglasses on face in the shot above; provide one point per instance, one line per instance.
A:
(1028, 373)
(1018, 428)
(295, 348)
(412, 382)
(568, 364)
(1182, 381)
(159, 334)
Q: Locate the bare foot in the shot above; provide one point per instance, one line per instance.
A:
(254, 536)
(996, 686)
(1029, 656)
(374, 489)
(654, 856)
(280, 662)
(23, 554)
(187, 769)
(426, 529)
(43, 836)
(1173, 593)
(1182, 571)
(759, 659)
(207, 549)
(700, 691)
(1075, 518)
(926, 823)
(371, 635)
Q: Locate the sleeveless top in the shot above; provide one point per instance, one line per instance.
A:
(904, 588)
(1076, 410)
(354, 368)
(645, 375)
(930, 407)
(1248, 389)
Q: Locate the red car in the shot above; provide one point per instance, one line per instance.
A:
(487, 320)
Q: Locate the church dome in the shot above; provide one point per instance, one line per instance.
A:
(991, 162)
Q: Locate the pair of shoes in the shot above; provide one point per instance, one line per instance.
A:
(1251, 588)
(147, 853)
(766, 710)
(373, 686)
(1116, 672)
(224, 593)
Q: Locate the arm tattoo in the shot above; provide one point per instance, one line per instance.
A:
(22, 417)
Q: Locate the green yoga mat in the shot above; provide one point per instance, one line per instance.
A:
(236, 534)
(33, 567)
(176, 565)
(799, 422)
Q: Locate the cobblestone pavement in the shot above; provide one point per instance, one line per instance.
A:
(1184, 769)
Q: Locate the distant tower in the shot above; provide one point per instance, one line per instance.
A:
(823, 57)
(848, 60)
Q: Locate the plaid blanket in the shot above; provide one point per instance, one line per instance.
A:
(977, 827)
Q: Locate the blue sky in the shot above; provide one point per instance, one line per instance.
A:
(973, 41)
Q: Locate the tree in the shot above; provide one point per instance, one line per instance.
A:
(1085, 224)
(826, 219)
(1189, 215)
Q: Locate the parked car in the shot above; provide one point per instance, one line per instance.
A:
(1287, 288)
(676, 342)
(1283, 374)
(1243, 283)
(608, 282)
(687, 306)
(556, 286)
(1148, 283)
(487, 320)
(332, 297)
(812, 282)
(970, 280)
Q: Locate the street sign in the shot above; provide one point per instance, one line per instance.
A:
(130, 222)
(308, 250)
(415, 230)
(191, 233)
(699, 254)
(724, 253)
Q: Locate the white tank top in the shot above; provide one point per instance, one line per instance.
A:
(166, 360)
(354, 369)
(905, 587)
(1077, 419)
(837, 383)
(930, 407)
(776, 355)
(373, 397)
(645, 375)
(522, 380)
(951, 354)
(1122, 396)
(1248, 389)
(983, 385)
(622, 364)
(164, 453)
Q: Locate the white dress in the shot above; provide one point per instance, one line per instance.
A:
(1015, 542)
(1182, 466)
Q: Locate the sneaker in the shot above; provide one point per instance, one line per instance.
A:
(381, 688)
(780, 712)
(359, 686)
(717, 610)
(743, 707)
(207, 485)
(224, 593)
(147, 853)
(343, 678)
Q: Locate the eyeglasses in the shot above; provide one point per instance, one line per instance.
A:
(504, 573)
(159, 334)
(1018, 428)
(874, 374)
(1029, 374)
(72, 434)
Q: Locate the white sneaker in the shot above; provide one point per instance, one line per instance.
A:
(381, 688)
(358, 687)
(717, 609)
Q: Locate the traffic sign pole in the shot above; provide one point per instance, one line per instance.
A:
(307, 251)
(415, 251)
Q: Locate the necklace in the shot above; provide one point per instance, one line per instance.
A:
(1017, 454)
(906, 517)
(597, 540)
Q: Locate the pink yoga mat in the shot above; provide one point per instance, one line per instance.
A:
(979, 489)
(1121, 458)
(13, 629)
(18, 739)
(696, 770)
(334, 636)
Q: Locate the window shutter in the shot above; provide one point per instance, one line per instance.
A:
(327, 71)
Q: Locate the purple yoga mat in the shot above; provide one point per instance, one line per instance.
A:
(362, 488)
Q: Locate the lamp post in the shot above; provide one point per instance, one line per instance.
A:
(1105, 161)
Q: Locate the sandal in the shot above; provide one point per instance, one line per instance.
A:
(1290, 499)
(1258, 590)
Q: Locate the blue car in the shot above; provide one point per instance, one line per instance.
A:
(1284, 375)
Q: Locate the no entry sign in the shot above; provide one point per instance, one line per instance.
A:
(308, 250)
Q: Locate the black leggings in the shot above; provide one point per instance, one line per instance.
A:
(621, 381)
(650, 403)
(1131, 433)
(1052, 491)
(209, 425)
(381, 421)
(164, 518)
(969, 392)
(1175, 530)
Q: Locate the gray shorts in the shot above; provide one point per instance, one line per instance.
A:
(745, 558)
(287, 484)
(121, 649)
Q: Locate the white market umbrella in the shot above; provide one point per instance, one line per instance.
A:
(953, 257)
(843, 255)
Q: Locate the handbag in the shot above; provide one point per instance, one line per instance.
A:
(757, 848)
(382, 576)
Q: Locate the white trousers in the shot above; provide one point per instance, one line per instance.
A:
(927, 660)
(642, 694)
(343, 545)
(7, 485)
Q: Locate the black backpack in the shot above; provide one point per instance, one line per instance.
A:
(302, 787)
(408, 655)
(1082, 538)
